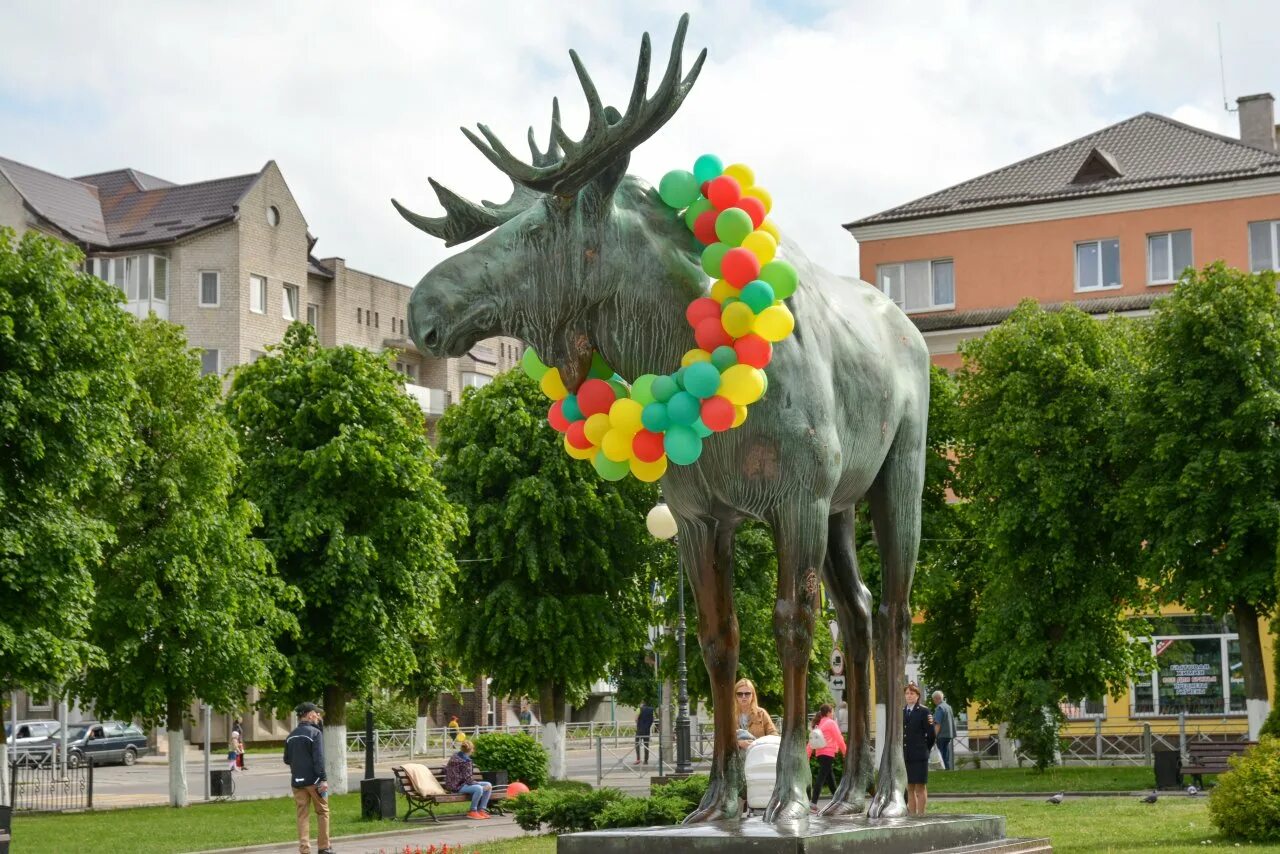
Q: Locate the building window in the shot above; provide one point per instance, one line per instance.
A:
(1084, 709)
(273, 216)
(359, 316)
(1097, 265)
(474, 380)
(210, 362)
(41, 702)
(919, 285)
(160, 278)
(313, 315)
(1168, 254)
(410, 371)
(210, 289)
(289, 310)
(375, 320)
(1264, 246)
(1197, 668)
(257, 295)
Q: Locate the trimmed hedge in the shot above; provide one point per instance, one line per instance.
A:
(564, 809)
(1246, 801)
(522, 756)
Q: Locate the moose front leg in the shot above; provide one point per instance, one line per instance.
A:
(800, 537)
(706, 552)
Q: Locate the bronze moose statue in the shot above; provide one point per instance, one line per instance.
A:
(584, 257)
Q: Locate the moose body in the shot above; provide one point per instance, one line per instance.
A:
(585, 258)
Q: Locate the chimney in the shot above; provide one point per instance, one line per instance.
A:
(1258, 121)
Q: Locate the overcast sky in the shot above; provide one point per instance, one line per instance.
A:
(842, 108)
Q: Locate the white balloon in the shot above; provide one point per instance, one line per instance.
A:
(660, 522)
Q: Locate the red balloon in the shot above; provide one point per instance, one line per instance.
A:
(704, 227)
(555, 415)
(648, 446)
(700, 309)
(753, 350)
(754, 208)
(703, 188)
(595, 396)
(724, 192)
(717, 413)
(709, 334)
(516, 789)
(578, 435)
(739, 266)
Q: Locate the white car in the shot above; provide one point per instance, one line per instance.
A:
(29, 732)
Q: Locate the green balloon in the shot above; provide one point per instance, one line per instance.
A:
(724, 357)
(620, 390)
(699, 207)
(711, 258)
(679, 377)
(678, 188)
(608, 469)
(664, 387)
(701, 429)
(684, 408)
(758, 295)
(782, 276)
(533, 365)
(702, 379)
(642, 389)
(682, 444)
(733, 225)
(599, 370)
(654, 417)
(706, 167)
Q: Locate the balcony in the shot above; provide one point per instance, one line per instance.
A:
(431, 400)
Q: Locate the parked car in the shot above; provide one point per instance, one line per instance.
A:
(29, 732)
(104, 741)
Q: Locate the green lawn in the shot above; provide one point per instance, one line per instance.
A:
(1071, 779)
(164, 830)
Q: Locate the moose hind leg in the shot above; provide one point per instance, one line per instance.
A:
(706, 549)
(800, 535)
(895, 513)
(853, 612)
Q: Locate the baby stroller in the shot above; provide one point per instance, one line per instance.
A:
(761, 769)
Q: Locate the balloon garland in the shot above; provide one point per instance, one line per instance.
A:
(637, 430)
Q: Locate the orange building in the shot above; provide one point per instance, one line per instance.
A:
(1106, 222)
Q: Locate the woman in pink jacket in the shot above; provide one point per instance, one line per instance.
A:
(833, 741)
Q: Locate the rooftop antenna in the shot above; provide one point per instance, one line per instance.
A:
(1222, 74)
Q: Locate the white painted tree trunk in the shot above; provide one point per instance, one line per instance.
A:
(1008, 756)
(553, 739)
(420, 735)
(882, 715)
(1258, 711)
(177, 768)
(335, 758)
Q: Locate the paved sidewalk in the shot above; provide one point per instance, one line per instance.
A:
(450, 831)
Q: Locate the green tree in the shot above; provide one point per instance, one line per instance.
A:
(1201, 424)
(187, 606)
(66, 380)
(554, 585)
(1040, 396)
(336, 460)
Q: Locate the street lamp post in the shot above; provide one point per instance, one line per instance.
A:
(662, 525)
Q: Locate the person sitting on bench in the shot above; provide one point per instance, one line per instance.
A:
(459, 776)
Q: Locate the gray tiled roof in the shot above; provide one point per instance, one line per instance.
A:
(70, 205)
(941, 320)
(1151, 152)
(126, 207)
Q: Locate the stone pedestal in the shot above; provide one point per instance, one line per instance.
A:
(958, 833)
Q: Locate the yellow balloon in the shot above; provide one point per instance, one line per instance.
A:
(579, 453)
(694, 355)
(774, 323)
(742, 384)
(739, 416)
(722, 290)
(595, 428)
(624, 415)
(772, 229)
(552, 386)
(761, 244)
(741, 173)
(649, 472)
(617, 445)
(760, 193)
(738, 319)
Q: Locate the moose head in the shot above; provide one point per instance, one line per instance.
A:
(576, 246)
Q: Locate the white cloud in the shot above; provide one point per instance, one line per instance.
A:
(843, 110)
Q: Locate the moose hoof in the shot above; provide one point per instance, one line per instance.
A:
(716, 804)
(887, 805)
(845, 806)
(784, 809)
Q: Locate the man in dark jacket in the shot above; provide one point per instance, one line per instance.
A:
(304, 754)
(644, 728)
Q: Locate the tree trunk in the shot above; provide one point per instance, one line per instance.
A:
(551, 696)
(1255, 674)
(177, 755)
(4, 753)
(335, 740)
(420, 730)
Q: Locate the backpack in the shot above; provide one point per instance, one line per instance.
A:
(817, 740)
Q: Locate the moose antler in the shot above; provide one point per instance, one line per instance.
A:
(604, 141)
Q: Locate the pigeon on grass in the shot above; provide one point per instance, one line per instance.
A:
(1056, 799)
(1151, 798)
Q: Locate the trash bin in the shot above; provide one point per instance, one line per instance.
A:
(497, 778)
(378, 798)
(1168, 769)
(220, 784)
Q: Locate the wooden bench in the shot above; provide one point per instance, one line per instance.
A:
(427, 803)
(1210, 757)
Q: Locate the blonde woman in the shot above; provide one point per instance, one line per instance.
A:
(751, 717)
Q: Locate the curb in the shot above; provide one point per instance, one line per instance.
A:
(343, 840)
